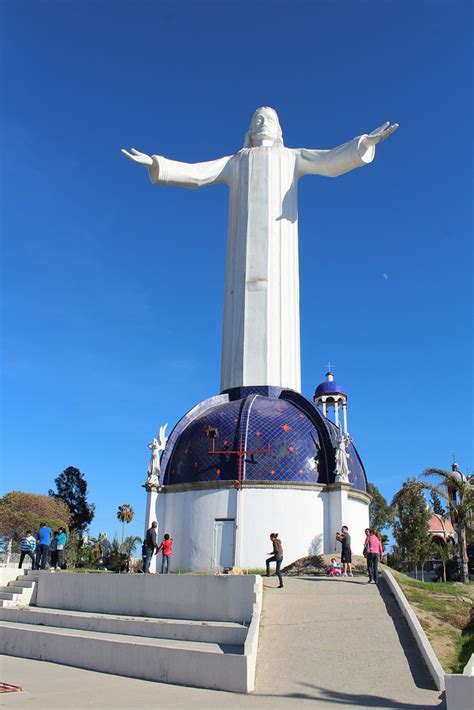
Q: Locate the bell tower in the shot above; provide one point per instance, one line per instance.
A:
(332, 400)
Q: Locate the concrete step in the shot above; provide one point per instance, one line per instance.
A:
(24, 583)
(179, 629)
(8, 596)
(12, 587)
(191, 663)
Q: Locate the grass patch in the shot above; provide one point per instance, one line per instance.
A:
(444, 610)
(465, 648)
(453, 589)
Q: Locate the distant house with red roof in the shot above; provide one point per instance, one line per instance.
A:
(441, 529)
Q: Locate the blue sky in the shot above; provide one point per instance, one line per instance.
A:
(112, 288)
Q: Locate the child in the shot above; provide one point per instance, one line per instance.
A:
(167, 547)
(28, 547)
(334, 569)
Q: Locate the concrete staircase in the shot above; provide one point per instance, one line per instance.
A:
(19, 592)
(208, 653)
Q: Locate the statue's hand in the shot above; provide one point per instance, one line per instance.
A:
(137, 157)
(380, 134)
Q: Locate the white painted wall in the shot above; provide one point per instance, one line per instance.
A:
(357, 522)
(188, 516)
(306, 521)
(296, 515)
(342, 509)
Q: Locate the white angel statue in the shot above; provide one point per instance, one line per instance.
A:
(156, 446)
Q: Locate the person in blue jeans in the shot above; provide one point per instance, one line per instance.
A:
(151, 545)
(44, 539)
(276, 556)
(167, 549)
(60, 543)
(374, 555)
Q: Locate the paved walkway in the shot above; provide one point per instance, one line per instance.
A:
(324, 643)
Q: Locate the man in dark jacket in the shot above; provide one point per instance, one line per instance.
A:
(151, 544)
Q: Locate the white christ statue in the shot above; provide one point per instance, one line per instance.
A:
(261, 330)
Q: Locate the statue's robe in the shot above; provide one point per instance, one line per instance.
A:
(261, 331)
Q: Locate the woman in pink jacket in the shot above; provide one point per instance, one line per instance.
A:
(374, 555)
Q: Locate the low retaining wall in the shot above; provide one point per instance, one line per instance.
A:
(431, 660)
(460, 688)
(195, 597)
(251, 642)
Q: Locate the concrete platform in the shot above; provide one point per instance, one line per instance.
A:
(324, 644)
(213, 652)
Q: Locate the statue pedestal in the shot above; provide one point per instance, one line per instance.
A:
(152, 491)
(339, 513)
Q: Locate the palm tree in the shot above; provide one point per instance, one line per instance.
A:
(442, 550)
(458, 493)
(125, 513)
(128, 547)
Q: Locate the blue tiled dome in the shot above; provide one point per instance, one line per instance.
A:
(328, 387)
(285, 437)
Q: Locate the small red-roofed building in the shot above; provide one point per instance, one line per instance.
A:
(441, 529)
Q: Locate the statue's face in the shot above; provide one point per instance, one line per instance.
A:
(264, 125)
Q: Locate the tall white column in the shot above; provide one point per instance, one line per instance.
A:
(324, 408)
(336, 413)
(151, 516)
(337, 511)
(344, 416)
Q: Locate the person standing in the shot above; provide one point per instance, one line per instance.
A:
(53, 554)
(365, 550)
(60, 544)
(167, 548)
(374, 556)
(276, 556)
(151, 544)
(346, 553)
(28, 547)
(44, 541)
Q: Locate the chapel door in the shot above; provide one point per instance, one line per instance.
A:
(224, 542)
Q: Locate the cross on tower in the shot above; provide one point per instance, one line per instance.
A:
(329, 366)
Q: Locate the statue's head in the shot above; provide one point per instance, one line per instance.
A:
(264, 126)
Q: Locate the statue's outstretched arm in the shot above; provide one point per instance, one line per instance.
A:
(164, 171)
(355, 154)
(173, 172)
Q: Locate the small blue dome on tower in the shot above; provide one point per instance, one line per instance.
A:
(328, 387)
